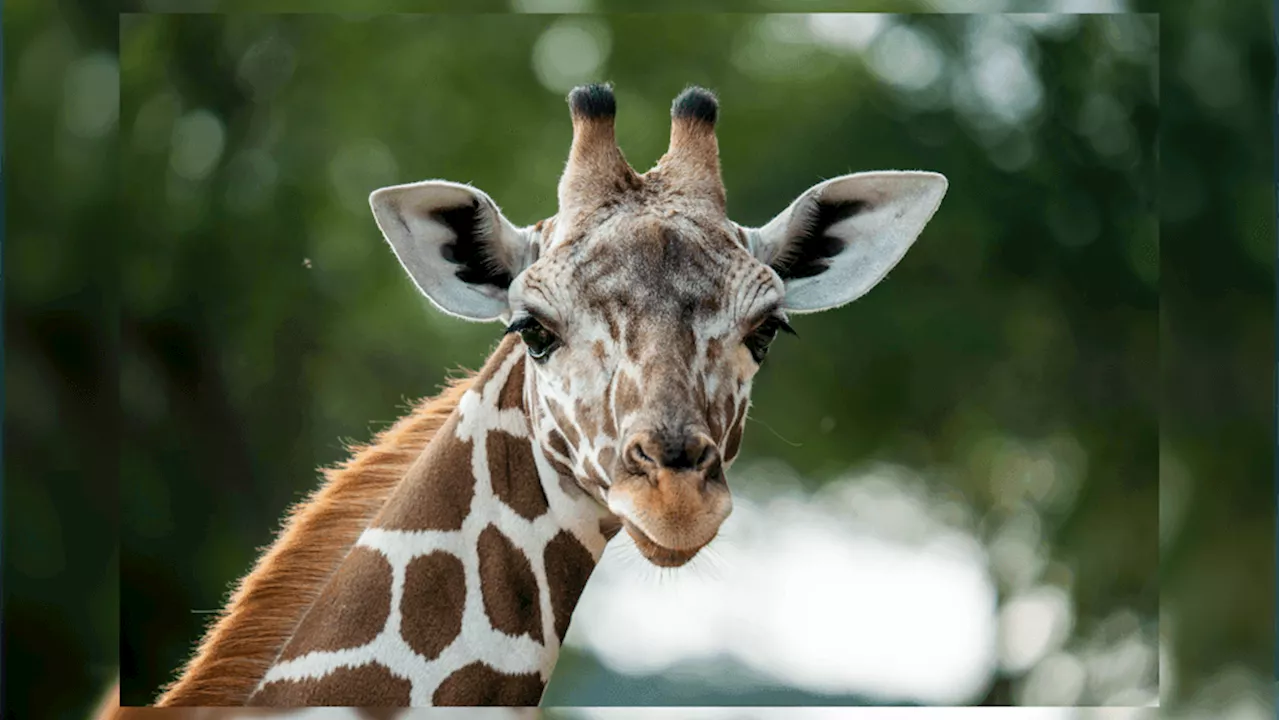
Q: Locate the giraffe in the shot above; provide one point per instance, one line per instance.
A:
(441, 564)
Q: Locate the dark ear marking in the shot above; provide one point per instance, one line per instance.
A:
(809, 253)
(593, 101)
(697, 104)
(469, 248)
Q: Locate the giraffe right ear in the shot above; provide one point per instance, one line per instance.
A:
(455, 243)
(841, 237)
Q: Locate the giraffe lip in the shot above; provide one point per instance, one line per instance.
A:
(655, 553)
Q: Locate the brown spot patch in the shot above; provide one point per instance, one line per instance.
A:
(683, 340)
(726, 415)
(435, 590)
(563, 423)
(633, 340)
(367, 685)
(565, 474)
(569, 566)
(479, 684)
(609, 526)
(587, 419)
(730, 409)
(700, 391)
(508, 586)
(594, 477)
(608, 457)
(597, 348)
(437, 489)
(628, 399)
(514, 475)
(512, 395)
(612, 322)
(351, 610)
(715, 423)
(557, 442)
(606, 408)
(734, 442)
(714, 348)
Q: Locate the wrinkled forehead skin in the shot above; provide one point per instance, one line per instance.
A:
(651, 298)
(678, 272)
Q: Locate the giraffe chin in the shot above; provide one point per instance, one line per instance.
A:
(655, 553)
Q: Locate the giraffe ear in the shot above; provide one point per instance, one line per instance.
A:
(455, 243)
(842, 236)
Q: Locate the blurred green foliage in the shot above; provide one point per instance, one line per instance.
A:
(230, 313)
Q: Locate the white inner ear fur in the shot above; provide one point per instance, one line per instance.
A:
(407, 216)
(899, 204)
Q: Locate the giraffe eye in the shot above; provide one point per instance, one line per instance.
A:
(537, 339)
(759, 340)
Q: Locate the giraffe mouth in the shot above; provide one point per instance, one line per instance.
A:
(655, 553)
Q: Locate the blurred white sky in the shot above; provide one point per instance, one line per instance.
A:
(878, 585)
(868, 588)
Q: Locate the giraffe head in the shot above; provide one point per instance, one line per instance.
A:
(645, 310)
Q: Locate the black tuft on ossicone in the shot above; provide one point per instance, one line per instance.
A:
(697, 104)
(593, 101)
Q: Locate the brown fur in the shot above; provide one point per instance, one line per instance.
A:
(596, 175)
(691, 166)
(318, 532)
(370, 684)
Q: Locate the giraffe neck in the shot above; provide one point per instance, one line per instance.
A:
(461, 589)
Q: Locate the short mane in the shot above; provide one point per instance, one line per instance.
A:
(269, 602)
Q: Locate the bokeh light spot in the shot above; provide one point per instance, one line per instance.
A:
(571, 51)
(847, 31)
(1032, 625)
(196, 145)
(91, 96)
(906, 57)
(359, 168)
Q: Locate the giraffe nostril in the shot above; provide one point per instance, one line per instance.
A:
(713, 474)
(643, 456)
(650, 452)
(706, 457)
(638, 457)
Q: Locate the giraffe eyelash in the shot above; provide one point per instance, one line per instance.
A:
(772, 322)
(539, 341)
(531, 318)
(782, 325)
(761, 337)
(524, 323)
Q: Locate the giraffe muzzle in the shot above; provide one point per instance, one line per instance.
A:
(671, 495)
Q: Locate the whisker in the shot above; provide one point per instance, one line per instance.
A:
(711, 564)
(775, 432)
(715, 564)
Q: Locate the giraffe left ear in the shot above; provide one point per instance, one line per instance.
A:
(455, 243)
(842, 236)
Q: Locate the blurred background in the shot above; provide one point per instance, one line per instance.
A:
(1033, 467)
